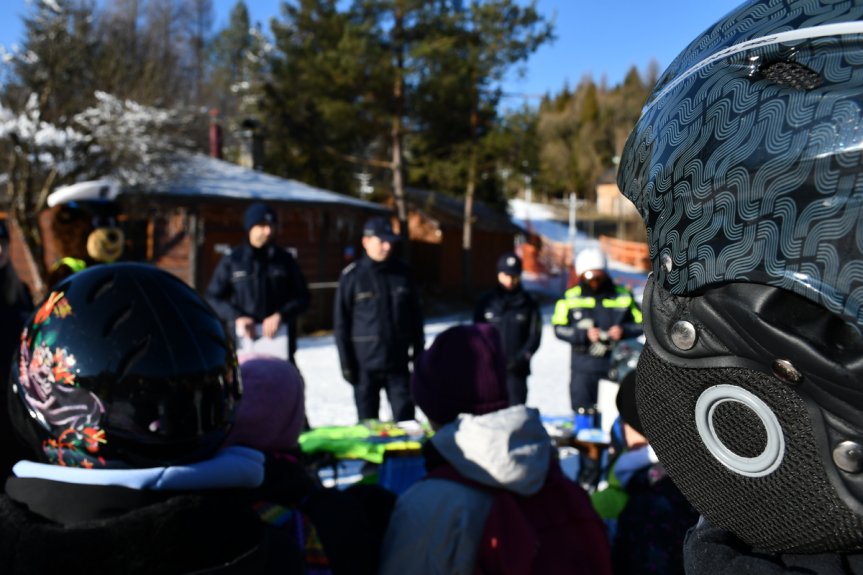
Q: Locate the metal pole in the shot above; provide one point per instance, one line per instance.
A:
(572, 227)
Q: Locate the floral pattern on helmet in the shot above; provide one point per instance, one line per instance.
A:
(50, 389)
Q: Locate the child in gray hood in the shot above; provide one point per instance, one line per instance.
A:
(484, 451)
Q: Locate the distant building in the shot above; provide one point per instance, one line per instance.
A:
(609, 200)
(435, 224)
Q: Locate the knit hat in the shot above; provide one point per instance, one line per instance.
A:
(258, 213)
(272, 411)
(462, 372)
(510, 264)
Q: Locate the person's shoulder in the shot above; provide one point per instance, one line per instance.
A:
(236, 251)
(349, 269)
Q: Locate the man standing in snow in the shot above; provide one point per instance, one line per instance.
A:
(515, 314)
(592, 316)
(378, 325)
(258, 286)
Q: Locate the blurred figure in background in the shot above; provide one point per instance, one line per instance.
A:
(592, 316)
(258, 289)
(378, 324)
(646, 514)
(330, 528)
(15, 305)
(515, 314)
(495, 499)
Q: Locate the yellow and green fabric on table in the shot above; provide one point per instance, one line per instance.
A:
(369, 441)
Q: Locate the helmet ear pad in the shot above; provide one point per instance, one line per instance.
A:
(750, 449)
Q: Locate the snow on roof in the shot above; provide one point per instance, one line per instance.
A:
(204, 176)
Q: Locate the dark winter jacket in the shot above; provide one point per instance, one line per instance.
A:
(110, 529)
(710, 550)
(15, 306)
(516, 315)
(58, 527)
(257, 283)
(350, 523)
(580, 309)
(378, 317)
(652, 526)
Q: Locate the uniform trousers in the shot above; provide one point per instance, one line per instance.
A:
(367, 394)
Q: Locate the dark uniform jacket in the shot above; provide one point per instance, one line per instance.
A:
(59, 527)
(378, 318)
(515, 314)
(257, 283)
(580, 309)
(56, 527)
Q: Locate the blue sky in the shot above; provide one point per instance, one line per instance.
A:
(601, 38)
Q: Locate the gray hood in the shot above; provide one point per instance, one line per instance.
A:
(508, 448)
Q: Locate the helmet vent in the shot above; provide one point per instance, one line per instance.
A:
(121, 316)
(793, 75)
(131, 357)
(101, 288)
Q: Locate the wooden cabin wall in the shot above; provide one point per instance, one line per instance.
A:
(487, 247)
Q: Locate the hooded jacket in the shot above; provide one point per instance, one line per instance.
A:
(437, 524)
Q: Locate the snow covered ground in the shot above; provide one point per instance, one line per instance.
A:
(329, 399)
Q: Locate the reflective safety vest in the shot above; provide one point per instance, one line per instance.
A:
(74, 264)
(572, 299)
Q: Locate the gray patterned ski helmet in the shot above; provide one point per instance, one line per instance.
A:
(745, 163)
(747, 167)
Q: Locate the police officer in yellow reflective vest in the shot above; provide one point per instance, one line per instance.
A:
(592, 316)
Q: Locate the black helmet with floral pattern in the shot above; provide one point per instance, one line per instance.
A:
(123, 366)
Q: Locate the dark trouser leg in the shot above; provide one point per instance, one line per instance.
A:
(584, 387)
(292, 341)
(516, 386)
(399, 396)
(367, 395)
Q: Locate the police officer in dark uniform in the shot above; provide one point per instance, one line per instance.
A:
(516, 315)
(592, 316)
(259, 282)
(378, 325)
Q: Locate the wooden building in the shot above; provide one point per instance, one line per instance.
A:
(186, 224)
(435, 224)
